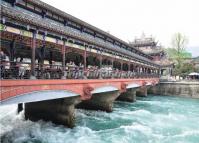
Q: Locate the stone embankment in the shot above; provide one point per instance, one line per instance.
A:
(185, 89)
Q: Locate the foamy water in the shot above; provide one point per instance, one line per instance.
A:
(155, 119)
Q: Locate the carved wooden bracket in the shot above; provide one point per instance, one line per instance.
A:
(144, 83)
(87, 92)
(123, 87)
(153, 83)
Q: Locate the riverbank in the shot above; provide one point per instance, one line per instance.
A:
(184, 89)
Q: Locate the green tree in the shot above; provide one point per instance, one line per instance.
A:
(186, 69)
(178, 54)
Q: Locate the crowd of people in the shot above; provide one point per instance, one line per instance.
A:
(20, 69)
(12, 69)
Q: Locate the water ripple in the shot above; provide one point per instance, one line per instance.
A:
(155, 119)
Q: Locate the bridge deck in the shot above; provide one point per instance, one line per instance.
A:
(76, 87)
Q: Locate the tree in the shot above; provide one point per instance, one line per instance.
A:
(186, 69)
(178, 54)
(177, 51)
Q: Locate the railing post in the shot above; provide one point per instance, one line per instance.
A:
(33, 47)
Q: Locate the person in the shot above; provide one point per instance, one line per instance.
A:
(95, 72)
(81, 69)
(73, 66)
(22, 68)
(2, 63)
(68, 66)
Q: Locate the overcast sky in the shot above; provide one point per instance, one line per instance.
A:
(127, 19)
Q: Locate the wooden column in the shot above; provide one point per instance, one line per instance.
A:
(112, 60)
(100, 74)
(158, 72)
(63, 60)
(42, 53)
(100, 59)
(139, 69)
(85, 64)
(85, 55)
(12, 51)
(129, 66)
(33, 47)
(121, 66)
(50, 58)
(121, 70)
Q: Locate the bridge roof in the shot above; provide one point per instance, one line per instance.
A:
(38, 21)
(83, 23)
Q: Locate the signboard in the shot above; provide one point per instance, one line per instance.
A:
(13, 30)
(74, 46)
(93, 51)
(80, 47)
(60, 42)
(117, 57)
(54, 40)
(26, 33)
(69, 44)
(49, 39)
(40, 37)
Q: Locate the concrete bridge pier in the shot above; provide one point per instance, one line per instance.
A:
(142, 91)
(129, 95)
(59, 111)
(20, 107)
(100, 101)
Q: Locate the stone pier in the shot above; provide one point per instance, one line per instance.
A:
(129, 95)
(59, 111)
(100, 101)
(142, 91)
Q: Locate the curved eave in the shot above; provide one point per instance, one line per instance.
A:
(30, 19)
(85, 24)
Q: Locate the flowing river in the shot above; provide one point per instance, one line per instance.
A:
(154, 119)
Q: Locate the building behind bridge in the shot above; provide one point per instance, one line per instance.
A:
(149, 46)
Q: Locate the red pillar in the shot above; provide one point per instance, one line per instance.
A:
(121, 66)
(112, 60)
(33, 47)
(85, 64)
(129, 66)
(63, 60)
(100, 74)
